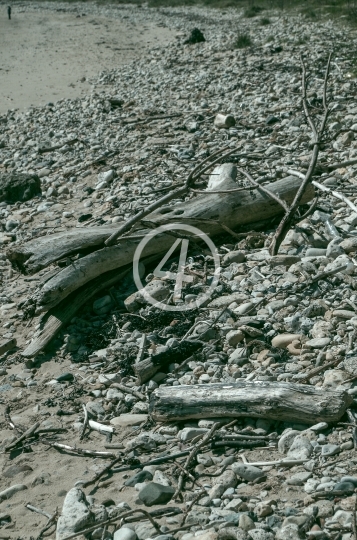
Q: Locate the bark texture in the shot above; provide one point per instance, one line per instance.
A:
(256, 399)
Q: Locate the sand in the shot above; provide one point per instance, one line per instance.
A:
(47, 55)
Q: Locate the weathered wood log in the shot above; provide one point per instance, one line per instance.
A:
(38, 253)
(206, 212)
(62, 314)
(256, 399)
(232, 209)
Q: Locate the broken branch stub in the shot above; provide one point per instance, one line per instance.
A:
(255, 399)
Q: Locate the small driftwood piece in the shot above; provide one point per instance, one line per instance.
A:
(255, 399)
(145, 369)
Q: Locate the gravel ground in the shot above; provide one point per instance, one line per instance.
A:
(272, 321)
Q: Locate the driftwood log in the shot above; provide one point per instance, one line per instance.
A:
(32, 256)
(207, 212)
(61, 315)
(256, 399)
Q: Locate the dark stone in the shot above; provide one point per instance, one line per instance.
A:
(271, 120)
(84, 217)
(19, 187)
(65, 377)
(16, 469)
(156, 494)
(195, 37)
(138, 478)
(347, 487)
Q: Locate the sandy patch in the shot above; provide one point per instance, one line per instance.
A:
(49, 55)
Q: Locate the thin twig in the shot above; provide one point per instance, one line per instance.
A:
(84, 532)
(25, 435)
(317, 135)
(85, 423)
(38, 510)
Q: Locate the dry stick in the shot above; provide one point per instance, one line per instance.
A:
(112, 520)
(26, 434)
(85, 424)
(38, 510)
(190, 506)
(264, 190)
(78, 451)
(179, 192)
(8, 419)
(286, 221)
(193, 454)
(335, 194)
(317, 370)
(50, 522)
(128, 390)
(99, 474)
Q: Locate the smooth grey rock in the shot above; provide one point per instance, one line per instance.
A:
(233, 257)
(298, 479)
(330, 450)
(317, 343)
(190, 433)
(125, 534)
(154, 493)
(75, 514)
(247, 472)
(344, 486)
(286, 440)
(226, 480)
(300, 449)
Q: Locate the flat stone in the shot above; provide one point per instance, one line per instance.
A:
(298, 479)
(226, 300)
(330, 450)
(284, 260)
(247, 472)
(126, 420)
(139, 477)
(233, 257)
(16, 469)
(318, 343)
(186, 434)
(154, 493)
